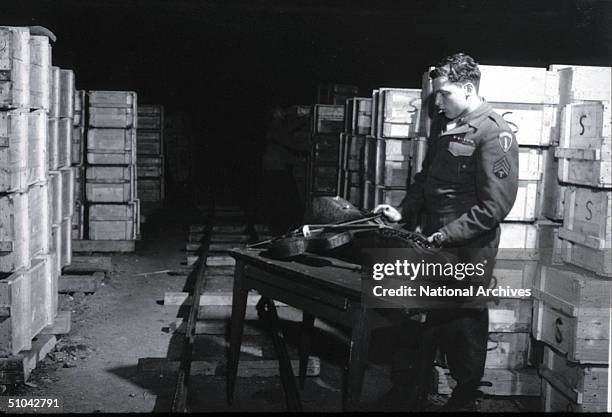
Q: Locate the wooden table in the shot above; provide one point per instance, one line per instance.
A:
(329, 292)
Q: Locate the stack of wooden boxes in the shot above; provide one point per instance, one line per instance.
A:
(572, 295)
(110, 175)
(177, 138)
(150, 156)
(29, 264)
(357, 124)
(78, 165)
(388, 147)
(327, 124)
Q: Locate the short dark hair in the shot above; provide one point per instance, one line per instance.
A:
(458, 68)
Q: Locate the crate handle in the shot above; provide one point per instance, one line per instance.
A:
(558, 334)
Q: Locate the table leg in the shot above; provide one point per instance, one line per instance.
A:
(292, 394)
(358, 356)
(239, 303)
(305, 344)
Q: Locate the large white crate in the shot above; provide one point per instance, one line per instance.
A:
(532, 124)
(37, 147)
(328, 118)
(14, 67)
(67, 89)
(572, 313)
(13, 150)
(40, 62)
(112, 221)
(518, 241)
(112, 99)
(27, 293)
(39, 219)
(14, 232)
(526, 206)
(507, 84)
(109, 193)
(111, 140)
(110, 174)
(578, 83)
(112, 118)
(398, 112)
(589, 167)
(585, 126)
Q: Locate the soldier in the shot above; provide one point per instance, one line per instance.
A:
(466, 187)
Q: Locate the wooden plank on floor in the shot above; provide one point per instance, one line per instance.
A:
(119, 246)
(92, 264)
(61, 324)
(17, 369)
(218, 299)
(80, 283)
(216, 367)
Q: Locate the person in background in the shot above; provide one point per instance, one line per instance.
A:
(467, 186)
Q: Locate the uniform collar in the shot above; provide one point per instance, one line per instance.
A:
(470, 120)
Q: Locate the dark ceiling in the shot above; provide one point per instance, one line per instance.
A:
(228, 61)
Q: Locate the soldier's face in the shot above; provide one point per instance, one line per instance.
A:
(450, 98)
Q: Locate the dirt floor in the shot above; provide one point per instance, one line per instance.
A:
(94, 367)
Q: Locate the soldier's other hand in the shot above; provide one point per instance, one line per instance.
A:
(389, 212)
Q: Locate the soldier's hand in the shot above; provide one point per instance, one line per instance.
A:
(389, 212)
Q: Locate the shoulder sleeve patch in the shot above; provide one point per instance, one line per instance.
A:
(505, 140)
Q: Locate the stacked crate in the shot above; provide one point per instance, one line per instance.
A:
(78, 165)
(110, 174)
(179, 158)
(335, 93)
(327, 124)
(388, 148)
(573, 291)
(301, 137)
(150, 156)
(65, 115)
(357, 124)
(28, 265)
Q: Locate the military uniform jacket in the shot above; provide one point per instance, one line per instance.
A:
(470, 172)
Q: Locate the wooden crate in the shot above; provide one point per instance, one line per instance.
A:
(592, 168)
(550, 243)
(398, 113)
(505, 84)
(328, 119)
(111, 158)
(585, 387)
(386, 195)
(100, 192)
(67, 89)
(112, 222)
(108, 117)
(598, 261)
(326, 148)
(112, 99)
(330, 93)
(585, 126)
(150, 167)
(13, 150)
(109, 174)
(510, 315)
(14, 233)
(554, 191)
(66, 236)
(54, 94)
(78, 145)
(531, 164)
(577, 83)
(526, 207)
(532, 124)
(78, 221)
(79, 183)
(354, 152)
(149, 142)
(64, 140)
(52, 144)
(361, 119)
(572, 313)
(14, 67)
(79, 106)
(151, 116)
(588, 218)
(67, 191)
(40, 68)
(393, 174)
(374, 125)
(111, 140)
(27, 295)
(55, 197)
(39, 219)
(518, 241)
(37, 147)
(515, 274)
(507, 350)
